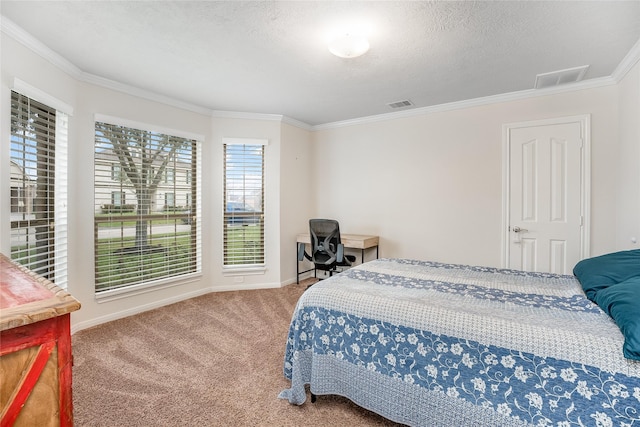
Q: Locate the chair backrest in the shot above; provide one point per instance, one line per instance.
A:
(325, 238)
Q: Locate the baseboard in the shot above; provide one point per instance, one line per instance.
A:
(302, 277)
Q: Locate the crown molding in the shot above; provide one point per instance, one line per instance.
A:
(627, 63)
(141, 93)
(259, 116)
(21, 36)
(222, 114)
(296, 123)
(469, 103)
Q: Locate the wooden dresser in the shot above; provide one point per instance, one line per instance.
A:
(35, 349)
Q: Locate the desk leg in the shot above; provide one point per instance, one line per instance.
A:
(362, 254)
(297, 266)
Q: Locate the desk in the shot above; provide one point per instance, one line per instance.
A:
(351, 241)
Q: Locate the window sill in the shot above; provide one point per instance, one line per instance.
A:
(143, 288)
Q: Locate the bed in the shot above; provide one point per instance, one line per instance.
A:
(431, 344)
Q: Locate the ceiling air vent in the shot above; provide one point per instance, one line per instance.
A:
(400, 104)
(555, 78)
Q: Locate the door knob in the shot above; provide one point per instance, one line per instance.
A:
(517, 229)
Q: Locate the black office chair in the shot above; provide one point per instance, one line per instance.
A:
(327, 251)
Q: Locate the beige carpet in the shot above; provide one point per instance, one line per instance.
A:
(214, 360)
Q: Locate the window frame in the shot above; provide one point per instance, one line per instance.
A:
(137, 286)
(51, 168)
(258, 267)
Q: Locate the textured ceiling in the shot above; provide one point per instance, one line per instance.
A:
(271, 57)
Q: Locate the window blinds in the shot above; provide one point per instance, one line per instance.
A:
(243, 203)
(39, 188)
(146, 206)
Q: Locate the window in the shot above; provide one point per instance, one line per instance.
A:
(169, 176)
(39, 188)
(118, 198)
(19, 199)
(116, 172)
(150, 240)
(243, 202)
(169, 201)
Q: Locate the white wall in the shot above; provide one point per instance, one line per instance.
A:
(297, 199)
(628, 166)
(430, 185)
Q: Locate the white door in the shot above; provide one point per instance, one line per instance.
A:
(546, 195)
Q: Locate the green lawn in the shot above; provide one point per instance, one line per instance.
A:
(118, 263)
(168, 255)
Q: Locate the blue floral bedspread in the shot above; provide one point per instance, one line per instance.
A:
(429, 344)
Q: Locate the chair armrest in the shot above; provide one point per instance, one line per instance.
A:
(340, 253)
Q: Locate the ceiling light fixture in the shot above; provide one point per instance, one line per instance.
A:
(349, 45)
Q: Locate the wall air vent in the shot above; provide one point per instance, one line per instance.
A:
(400, 104)
(555, 78)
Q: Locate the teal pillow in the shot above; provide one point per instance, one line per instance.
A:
(622, 302)
(602, 271)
